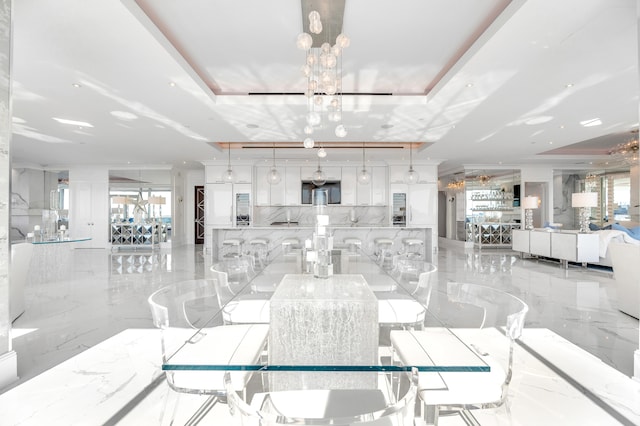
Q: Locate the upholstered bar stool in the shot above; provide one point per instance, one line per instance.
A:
(232, 247)
(289, 244)
(353, 244)
(383, 251)
(413, 247)
(260, 250)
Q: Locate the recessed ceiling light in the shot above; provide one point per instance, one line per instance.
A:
(550, 142)
(592, 122)
(76, 85)
(252, 126)
(386, 126)
(72, 122)
(562, 126)
(172, 84)
(469, 84)
(568, 85)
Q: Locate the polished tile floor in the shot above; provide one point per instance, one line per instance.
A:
(103, 304)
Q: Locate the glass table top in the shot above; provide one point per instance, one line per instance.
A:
(306, 324)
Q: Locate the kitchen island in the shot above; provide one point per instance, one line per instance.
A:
(366, 234)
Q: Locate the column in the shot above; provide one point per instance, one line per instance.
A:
(8, 359)
(635, 198)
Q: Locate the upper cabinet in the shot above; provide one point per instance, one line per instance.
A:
(379, 186)
(285, 193)
(348, 186)
(214, 174)
(426, 173)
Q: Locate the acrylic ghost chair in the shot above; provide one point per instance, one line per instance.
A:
(488, 321)
(238, 305)
(185, 313)
(388, 401)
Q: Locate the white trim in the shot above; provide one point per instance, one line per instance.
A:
(8, 368)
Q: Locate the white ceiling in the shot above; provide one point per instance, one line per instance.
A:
(480, 82)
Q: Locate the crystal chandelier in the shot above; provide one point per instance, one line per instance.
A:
(323, 70)
(456, 185)
(626, 152)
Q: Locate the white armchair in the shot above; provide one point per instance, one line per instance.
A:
(625, 259)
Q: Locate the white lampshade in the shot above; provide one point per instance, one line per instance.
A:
(530, 202)
(584, 199)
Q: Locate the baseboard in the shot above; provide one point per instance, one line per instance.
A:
(449, 243)
(8, 368)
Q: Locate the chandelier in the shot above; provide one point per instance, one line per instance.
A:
(626, 152)
(484, 179)
(323, 70)
(456, 185)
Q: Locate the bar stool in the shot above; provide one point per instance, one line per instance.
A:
(383, 251)
(353, 245)
(260, 250)
(413, 247)
(232, 247)
(289, 244)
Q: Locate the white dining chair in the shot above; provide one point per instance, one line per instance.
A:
(488, 321)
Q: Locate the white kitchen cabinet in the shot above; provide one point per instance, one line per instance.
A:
(422, 204)
(218, 205)
(363, 192)
(348, 186)
(379, 186)
(293, 189)
(262, 187)
(277, 192)
(330, 172)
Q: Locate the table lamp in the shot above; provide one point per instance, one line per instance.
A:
(584, 200)
(528, 204)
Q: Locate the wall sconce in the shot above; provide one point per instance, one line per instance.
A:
(529, 204)
(584, 201)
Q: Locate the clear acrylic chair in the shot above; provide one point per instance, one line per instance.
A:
(238, 305)
(488, 321)
(388, 400)
(185, 314)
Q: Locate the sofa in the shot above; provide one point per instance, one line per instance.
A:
(625, 259)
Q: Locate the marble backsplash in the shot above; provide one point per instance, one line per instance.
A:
(338, 215)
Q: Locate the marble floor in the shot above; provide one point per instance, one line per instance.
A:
(88, 354)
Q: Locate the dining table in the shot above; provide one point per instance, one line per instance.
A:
(327, 333)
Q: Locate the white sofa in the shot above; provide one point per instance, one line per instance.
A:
(19, 272)
(625, 259)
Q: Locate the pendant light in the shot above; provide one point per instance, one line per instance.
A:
(273, 177)
(363, 176)
(411, 176)
(318, 178)
(229, 176)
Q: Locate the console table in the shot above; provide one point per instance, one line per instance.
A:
(566, 246)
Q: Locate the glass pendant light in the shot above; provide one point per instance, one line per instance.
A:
(363, 175)
(411, 176)
(229, 176)
(273, 177)
(318, 178)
